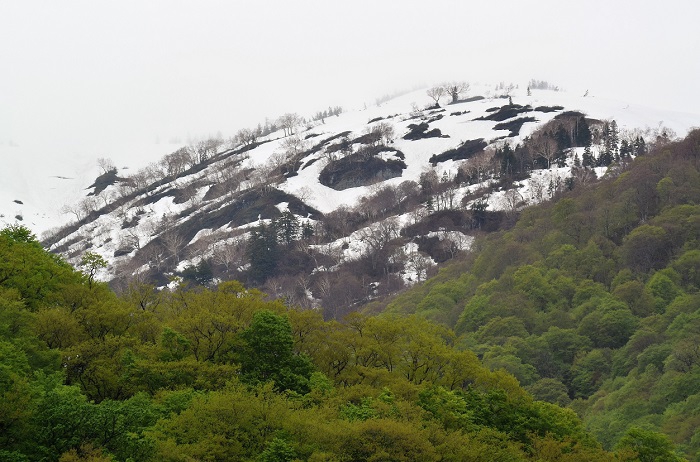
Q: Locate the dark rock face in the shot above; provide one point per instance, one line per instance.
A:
(362, 168)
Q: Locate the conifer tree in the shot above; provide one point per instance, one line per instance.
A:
(288, 226)
(583, 133)
(588, 160)
(263, 252)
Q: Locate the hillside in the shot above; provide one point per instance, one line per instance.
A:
(376, 198)
(224, 374)
(562, 323)
(591, 300)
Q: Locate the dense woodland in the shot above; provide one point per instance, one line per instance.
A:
(575, 335)
(591, 301)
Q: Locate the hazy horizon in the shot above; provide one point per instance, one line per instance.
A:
(84, 76)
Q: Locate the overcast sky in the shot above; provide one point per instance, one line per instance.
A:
(90, 73)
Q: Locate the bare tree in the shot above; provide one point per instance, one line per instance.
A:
(385, 131)
(479, 165)
(537, 188)
(177, 162)
(512, 200)
(230, 255)
(377, 236)
(174, 243)
(289, 122)
(106, 164)
(435, 93)
(206, 149)
(546, 147)
(246, 136)
(454, 89)
(73, 209)
(446, 192)
(337, 224)
(293, 145)
(88, 205)
(419, 263)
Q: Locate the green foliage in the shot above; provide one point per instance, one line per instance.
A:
(590, 302)
(650, 446)
(91, 263)
(267, 354)
(598, 292)
(278, 450)
(39, 277)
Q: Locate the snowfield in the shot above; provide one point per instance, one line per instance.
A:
(41, 188)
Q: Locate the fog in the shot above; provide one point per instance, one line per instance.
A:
(92, 78)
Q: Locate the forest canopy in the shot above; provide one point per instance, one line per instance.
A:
(572, 336)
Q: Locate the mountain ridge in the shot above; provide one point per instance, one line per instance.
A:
(174, 218)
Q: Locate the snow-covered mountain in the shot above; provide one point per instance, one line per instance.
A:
(173, 215)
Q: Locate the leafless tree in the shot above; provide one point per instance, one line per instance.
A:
(385, 132)
(512, 199)
(455, 89)
(483, 163)
(435, 93)
(289, 122)
(106, 165)
(104, 197)
(383, 200)
(304, 193)
(178, 161)
(378, 235)
(129, 241)
(88, 205)
(205, 149)
(293, 145)
(323, 284)
(174, 243)
(537, 188)
(544, 146)
(446, 192)
(246, 136)
(418, 214)
(419, 263)
(583, 176)
(505, 89)
(73, 209)
(429, 181)
(230, 254)
(337, 223)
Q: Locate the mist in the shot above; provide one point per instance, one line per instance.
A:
(95, 79)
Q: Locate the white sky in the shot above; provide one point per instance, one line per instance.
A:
(83, 75)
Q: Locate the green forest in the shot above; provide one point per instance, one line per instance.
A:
(573, 336)
(591, 300)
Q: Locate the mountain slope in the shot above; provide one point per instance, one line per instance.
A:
(592, 300)
(384, 193)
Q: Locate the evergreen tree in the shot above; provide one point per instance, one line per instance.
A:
(288, 227)
(583, 133)
(562, 138)
(625, 150)
(307, 230)
(263, 252)
(614, 141)
(479, 213)
(605, 158)
(268, 354)
(507, 159)
(640, 147)
(588, 160)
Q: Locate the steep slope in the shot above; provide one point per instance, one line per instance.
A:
(378, 195)
(591, 300)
